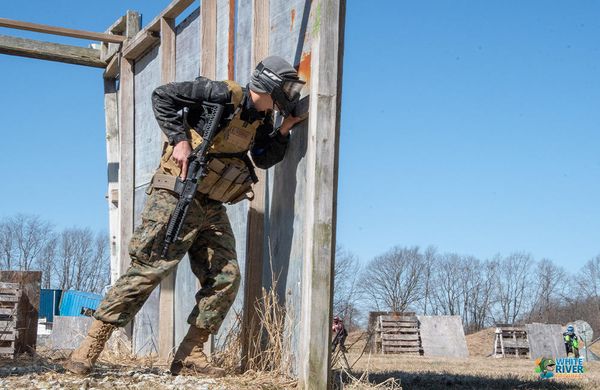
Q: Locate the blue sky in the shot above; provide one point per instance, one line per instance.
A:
(471, 126)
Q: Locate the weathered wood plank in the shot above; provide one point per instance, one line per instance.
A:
(10, 336)
(398, 318)
(401, 349)
(126, 163)
(208, 34)
(516, 343)
(208, 68)
(126, 148)
(50, 51)
(256, 213)
(28, 307)
(139, 45)
(67, 32)
(112, 69)
(7, 311)
(322, 175)
(167, 286)
(171, 11)
(402, 337)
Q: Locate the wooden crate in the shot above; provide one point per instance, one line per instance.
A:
(399, 334)
(9, 300)
(511, 341)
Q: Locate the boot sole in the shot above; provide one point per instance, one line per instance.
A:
(77, 368)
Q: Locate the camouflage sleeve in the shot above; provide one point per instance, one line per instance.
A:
(269, 146)
(168, 100)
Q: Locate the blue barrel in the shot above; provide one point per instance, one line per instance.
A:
(78, 303)
(49, 303)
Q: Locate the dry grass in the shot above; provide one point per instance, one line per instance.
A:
(269, 365)
(481, 343)
(471, 373)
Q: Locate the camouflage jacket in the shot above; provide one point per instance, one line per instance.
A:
(169, 100)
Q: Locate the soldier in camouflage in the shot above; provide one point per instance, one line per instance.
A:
(246, 128)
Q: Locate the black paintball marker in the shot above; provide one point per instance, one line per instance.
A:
(197, 167)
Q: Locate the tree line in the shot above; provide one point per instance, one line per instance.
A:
(510, 289)
(72, 258)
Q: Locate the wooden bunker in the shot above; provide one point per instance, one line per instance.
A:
(288, 230)
(409, 334)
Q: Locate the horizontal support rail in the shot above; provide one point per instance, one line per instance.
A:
(67, 32)
(50, 51)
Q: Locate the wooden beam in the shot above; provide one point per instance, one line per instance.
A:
(208, 34)
(144, 37)
(140, 44)
(67, 32)
(255, 231)
(126, 148)
(118, 27)
(112, 68)
(166, 336)
(112, 157)
(173, 10)
(126, 163)
(208, 68)
(50, 51)
(322, 167)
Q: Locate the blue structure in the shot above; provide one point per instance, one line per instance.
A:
(49, 303)
(74, 303)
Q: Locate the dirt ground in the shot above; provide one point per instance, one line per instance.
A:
(44, 372)
(390, 371)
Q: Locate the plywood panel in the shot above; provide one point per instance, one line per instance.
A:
(147, 133)
(545, 340)
(443, 336)
(188, 48)
(187, 68)
(287, 186)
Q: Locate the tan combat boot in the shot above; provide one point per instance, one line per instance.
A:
(190, 355)
(83, 358)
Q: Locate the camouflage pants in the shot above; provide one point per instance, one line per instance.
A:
(207, 238)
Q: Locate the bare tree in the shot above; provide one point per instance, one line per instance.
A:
(549, 285)
(6, 245)
(345, 295)
(46, 263)
(589, 282)
(392, 281)
(23, 238)
(427, 274)
(83, 260)
(514, 286)
(482, 295)
(448, 291)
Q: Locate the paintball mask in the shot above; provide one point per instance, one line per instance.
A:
(284, 89)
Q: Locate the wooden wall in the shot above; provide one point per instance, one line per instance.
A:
(289, 229)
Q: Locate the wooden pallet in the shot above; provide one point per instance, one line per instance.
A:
(399, 334)
(511, 341)
(9, 300)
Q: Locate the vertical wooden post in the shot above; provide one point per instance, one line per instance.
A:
(322, 164)
(208, 37)
(166, 336)
(112, 159)
(255, 236)
(208, 68)
(126, 147)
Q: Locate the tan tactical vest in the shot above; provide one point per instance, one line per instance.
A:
(229, 179)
